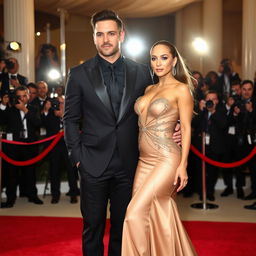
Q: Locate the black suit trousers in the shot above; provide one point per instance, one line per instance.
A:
(113, 185)
(21, 154)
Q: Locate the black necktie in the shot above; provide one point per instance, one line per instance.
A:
(113, 90)
(13, 77)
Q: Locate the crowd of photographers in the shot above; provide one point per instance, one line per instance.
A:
(225, 110)
(29, 112)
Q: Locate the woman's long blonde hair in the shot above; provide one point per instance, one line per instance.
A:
(182, 73)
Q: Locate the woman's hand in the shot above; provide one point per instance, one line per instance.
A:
(177, 134)
(182, 176)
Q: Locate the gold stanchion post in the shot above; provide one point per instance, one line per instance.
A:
(204, 205)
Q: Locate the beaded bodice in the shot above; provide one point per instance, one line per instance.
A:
(157, 120)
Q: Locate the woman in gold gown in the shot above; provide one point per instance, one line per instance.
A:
(152, 225)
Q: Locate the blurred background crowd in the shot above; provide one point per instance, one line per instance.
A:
(225, 110)
(28, 112)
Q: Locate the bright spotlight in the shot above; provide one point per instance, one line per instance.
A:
(200, 45)
(54, 74)
(134, 46)
(14, 46)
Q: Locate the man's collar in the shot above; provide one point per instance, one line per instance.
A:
(41, 99)
(9, 74)
(106, 63)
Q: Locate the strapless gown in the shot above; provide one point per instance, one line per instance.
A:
(152, 225)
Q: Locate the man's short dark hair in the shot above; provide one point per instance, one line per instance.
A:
(20, 88)
(210, 92)
(236, 82)
(106, 15)
(247, 82)
(32, 85)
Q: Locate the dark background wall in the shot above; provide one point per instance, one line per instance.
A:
(150, 30)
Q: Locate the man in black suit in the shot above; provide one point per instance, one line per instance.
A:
(52, 116)
(22, 120)
(42, 95)
(100, 95)
(226, 77)
(12, 79)
(212, 120)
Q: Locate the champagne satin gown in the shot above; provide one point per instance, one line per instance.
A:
(152, 225)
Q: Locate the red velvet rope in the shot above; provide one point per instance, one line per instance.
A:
(58, 136)
(29, 143)
(220, 164)
(37, 158)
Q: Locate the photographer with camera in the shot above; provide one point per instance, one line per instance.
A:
(245, 113)
(4, 106)
(226, 77)
(233, 105)
(42, 95)
(11, 79)
(22, 120)
(51, 116)
(212, 120)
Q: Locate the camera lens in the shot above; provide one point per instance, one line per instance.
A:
(209, 104)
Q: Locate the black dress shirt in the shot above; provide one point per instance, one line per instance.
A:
(119, 74)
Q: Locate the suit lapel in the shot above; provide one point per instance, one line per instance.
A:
(130, 77)
(95, 76)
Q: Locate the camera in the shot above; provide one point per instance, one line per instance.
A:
(16, 99)
(235, 96)
(241, 104)
(209, 104)
(55, 104)
(9, 64)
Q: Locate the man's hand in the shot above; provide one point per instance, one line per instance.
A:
(177, 134)
(202, 105)
(77, 164)
(21, 106)
(248, 106)
(15, 83)
(2, 65)
(58, 113)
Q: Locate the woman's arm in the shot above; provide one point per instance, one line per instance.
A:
(185, 106)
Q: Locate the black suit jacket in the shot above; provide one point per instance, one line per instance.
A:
(36, 102)
(87, 101)
(12, 118)
(5, 83)
(216, 127)
(221, 83)
(51, 123)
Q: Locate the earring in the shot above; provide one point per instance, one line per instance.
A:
(174, 71)
(152, 72)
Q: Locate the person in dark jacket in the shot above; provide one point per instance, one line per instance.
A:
(212, 120)
(22, 121)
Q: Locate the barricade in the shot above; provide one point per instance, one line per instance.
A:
(59, 135)
(34, 160)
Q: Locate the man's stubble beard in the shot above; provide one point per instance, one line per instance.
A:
(110, 54)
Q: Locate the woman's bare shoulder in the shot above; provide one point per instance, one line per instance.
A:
(148, 88)
(182, 88)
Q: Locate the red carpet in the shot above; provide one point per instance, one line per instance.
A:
(50, 236)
